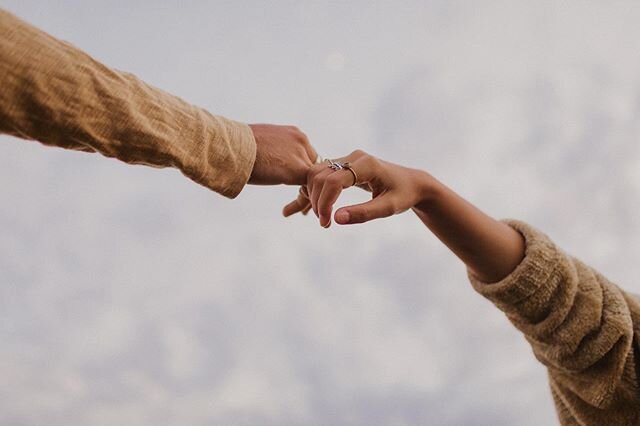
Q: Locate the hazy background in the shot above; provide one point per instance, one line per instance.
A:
(132, 296)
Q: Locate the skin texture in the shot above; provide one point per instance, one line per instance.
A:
(283, 155)
(489, 248)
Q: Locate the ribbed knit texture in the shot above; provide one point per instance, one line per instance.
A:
(54, 93)
(581, 327)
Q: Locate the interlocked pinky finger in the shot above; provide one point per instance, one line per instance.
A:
(298, 205)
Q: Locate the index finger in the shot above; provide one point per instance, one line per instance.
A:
(331, 190)
(357, 172)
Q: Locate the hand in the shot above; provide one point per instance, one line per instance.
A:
(283, 155)
(394, 189)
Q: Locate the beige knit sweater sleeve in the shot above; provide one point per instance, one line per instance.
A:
(54, 93)
(582, 327)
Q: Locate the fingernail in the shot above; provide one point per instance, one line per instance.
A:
(342, 216)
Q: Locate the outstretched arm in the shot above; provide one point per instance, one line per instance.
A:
(491, 249)
(580, 325)
(54, 93)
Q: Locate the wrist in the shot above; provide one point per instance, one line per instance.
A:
(429, 188)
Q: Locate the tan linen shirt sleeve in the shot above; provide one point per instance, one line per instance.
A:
(56, 94)
(581, 326)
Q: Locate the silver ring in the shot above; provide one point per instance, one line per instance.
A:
(336, 165)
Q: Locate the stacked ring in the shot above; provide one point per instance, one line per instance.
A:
(337, 166)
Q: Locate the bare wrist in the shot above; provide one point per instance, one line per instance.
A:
(430, 188)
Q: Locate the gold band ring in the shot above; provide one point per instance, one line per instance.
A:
(347, 166)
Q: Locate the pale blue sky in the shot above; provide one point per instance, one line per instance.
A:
(132, 296)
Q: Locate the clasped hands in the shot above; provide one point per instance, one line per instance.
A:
(284, 155)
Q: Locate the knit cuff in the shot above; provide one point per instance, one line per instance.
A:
(535, 270)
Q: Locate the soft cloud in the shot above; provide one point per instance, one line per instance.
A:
(132, 296)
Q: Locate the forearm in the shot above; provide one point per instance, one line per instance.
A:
(56, 94)
(490, 249)
(580, 325)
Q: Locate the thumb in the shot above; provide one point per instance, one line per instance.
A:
(379, 207)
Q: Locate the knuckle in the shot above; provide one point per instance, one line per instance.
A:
(358, 153)
(317, 179)
(317, 168)
(359, 215)
(372, 162)
(298, 134)
(315, 171)
(390, 210)
(303, 141)
(334, 179)
(390, 207)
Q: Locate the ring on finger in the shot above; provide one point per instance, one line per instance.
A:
(348, 166)
(336, 165)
